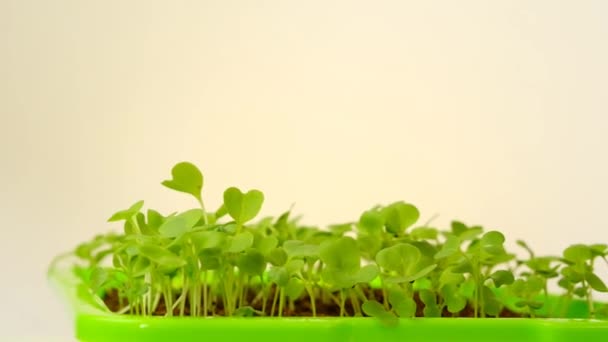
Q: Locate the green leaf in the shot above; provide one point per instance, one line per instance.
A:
(577, 253)
(244, 311)
(127, 214)
(599, 249)
(536, 283)
(367, 273)
(502, 277)
(177, 225)
(532, 304)
(580, 291)
(155, 219)
(98, 277)
(243, 207)
(427, 297)
(374, 309)
(277, 257)
(161, 256)
(266, 244)
(491, 304)
(449, 248)
(542, 265)
(454, 300)
(187, 178)
(240, 242)
(369, 245)
(401, 258)
(341, 254)
(572, 274)
(595, 282)
(463, 266)
(422, 272)
(371, 222)
(251, 262)
(208, 239)
(279, 276)
(299, 249)
(340, 229)
(293, 266)
(492, 243)
(399, 216)
(449, 277)
(141, 266)
(458, 227)
(294, 288)
(404, 306)
(424, 233)
(211, 258)
(470, 233)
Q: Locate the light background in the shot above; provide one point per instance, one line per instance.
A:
(492, 112)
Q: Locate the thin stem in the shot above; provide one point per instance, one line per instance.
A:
(311, 294)
(384, 295)
(274, 300)
(156, 301)
(361, 294)
(241, 289)
(205, 219)
(265, 290)
(342, 303)
(281, 302)
(205, 298)
(589, 300)
(355, 303)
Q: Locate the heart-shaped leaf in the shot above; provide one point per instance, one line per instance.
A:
(187, 178)
(399, 216)
(243, 207)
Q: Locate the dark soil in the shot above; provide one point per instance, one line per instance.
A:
(300, 308)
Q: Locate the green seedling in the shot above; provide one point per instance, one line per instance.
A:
(578, 275)
(228, 263)
(342, 271)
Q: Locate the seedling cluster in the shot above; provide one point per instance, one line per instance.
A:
(385, 264)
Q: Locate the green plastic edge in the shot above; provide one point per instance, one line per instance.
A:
(94, 323)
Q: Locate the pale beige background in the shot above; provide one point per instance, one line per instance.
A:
(493, 112)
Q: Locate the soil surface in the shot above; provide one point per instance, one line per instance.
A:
(299, 308)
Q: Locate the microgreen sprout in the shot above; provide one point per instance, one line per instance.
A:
(228, 262)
